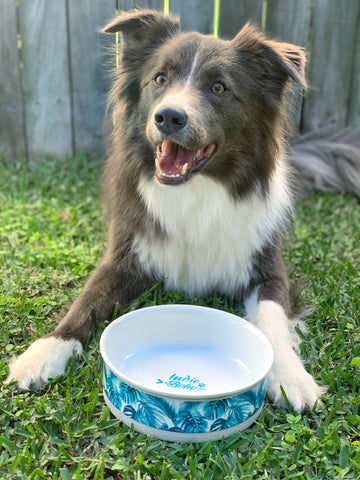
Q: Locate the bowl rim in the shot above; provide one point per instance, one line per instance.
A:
(178, 395)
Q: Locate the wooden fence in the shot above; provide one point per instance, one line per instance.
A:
(54, 78)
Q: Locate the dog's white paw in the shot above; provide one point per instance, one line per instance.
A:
(287, 371)
(299, 386)
(45, 358)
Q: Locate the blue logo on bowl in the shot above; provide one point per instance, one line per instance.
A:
(187, 382)
(179, 415)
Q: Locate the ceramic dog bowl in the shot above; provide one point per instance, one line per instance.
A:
(185, 373)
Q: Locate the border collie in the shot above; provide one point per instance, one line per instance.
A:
(197, 189)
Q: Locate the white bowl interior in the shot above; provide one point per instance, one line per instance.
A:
(186, 351)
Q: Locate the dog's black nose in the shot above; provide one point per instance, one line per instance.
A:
(168, 120)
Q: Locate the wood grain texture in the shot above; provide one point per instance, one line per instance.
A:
(52, 98)
(90, 76)
(12, 129)
(131, 4)
(45, 74)
(331, 65)
(195, 15)
(289, 21)
(353, 116)
(123, 5)
(234, 14)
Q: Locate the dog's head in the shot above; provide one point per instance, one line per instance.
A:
(199, 99)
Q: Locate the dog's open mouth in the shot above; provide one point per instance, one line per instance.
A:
(175, 164)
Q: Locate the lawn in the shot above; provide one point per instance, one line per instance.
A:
(51, 238)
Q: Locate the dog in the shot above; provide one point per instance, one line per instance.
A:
(198, 189)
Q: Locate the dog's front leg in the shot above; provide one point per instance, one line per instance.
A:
(266, 309)
(47, 357)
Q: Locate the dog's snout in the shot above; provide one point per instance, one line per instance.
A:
(170, 120)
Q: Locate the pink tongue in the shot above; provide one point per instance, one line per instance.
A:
(173, 157)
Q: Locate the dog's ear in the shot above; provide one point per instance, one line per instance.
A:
(144, 26)
(275, 60)
(142, 32)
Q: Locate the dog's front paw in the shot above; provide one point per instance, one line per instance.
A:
(299, 386)
(45, 358)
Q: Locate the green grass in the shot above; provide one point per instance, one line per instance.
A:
(51, 238)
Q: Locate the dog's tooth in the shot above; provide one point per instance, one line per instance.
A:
(184, 169)
(157, 163)
(198, 154)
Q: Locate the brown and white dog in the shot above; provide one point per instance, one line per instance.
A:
(197, 189)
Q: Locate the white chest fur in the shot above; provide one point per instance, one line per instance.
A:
(211, 239)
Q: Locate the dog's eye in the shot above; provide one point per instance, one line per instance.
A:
(218, 88)
(160, 79)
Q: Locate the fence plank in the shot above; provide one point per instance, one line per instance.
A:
(90, 77)
(46, 77)
(332, 54)
(353, 116)
(12, 134)
(57, 111)
(234, 15)
(124, 5)
(195, 15)
(131, 4)
(289, 21)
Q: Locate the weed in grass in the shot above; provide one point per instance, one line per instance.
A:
(51, 238)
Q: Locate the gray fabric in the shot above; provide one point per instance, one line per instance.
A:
(328, 161)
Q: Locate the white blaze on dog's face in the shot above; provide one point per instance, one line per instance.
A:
(182, 124)
(202, 102)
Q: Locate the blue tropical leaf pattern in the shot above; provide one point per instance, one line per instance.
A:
(164, 405)
(216, 408)
(177, 415)
(128, 393)
(191, 422)
(149, 414)
(219, 424)
(130, 411)
(175, 429)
